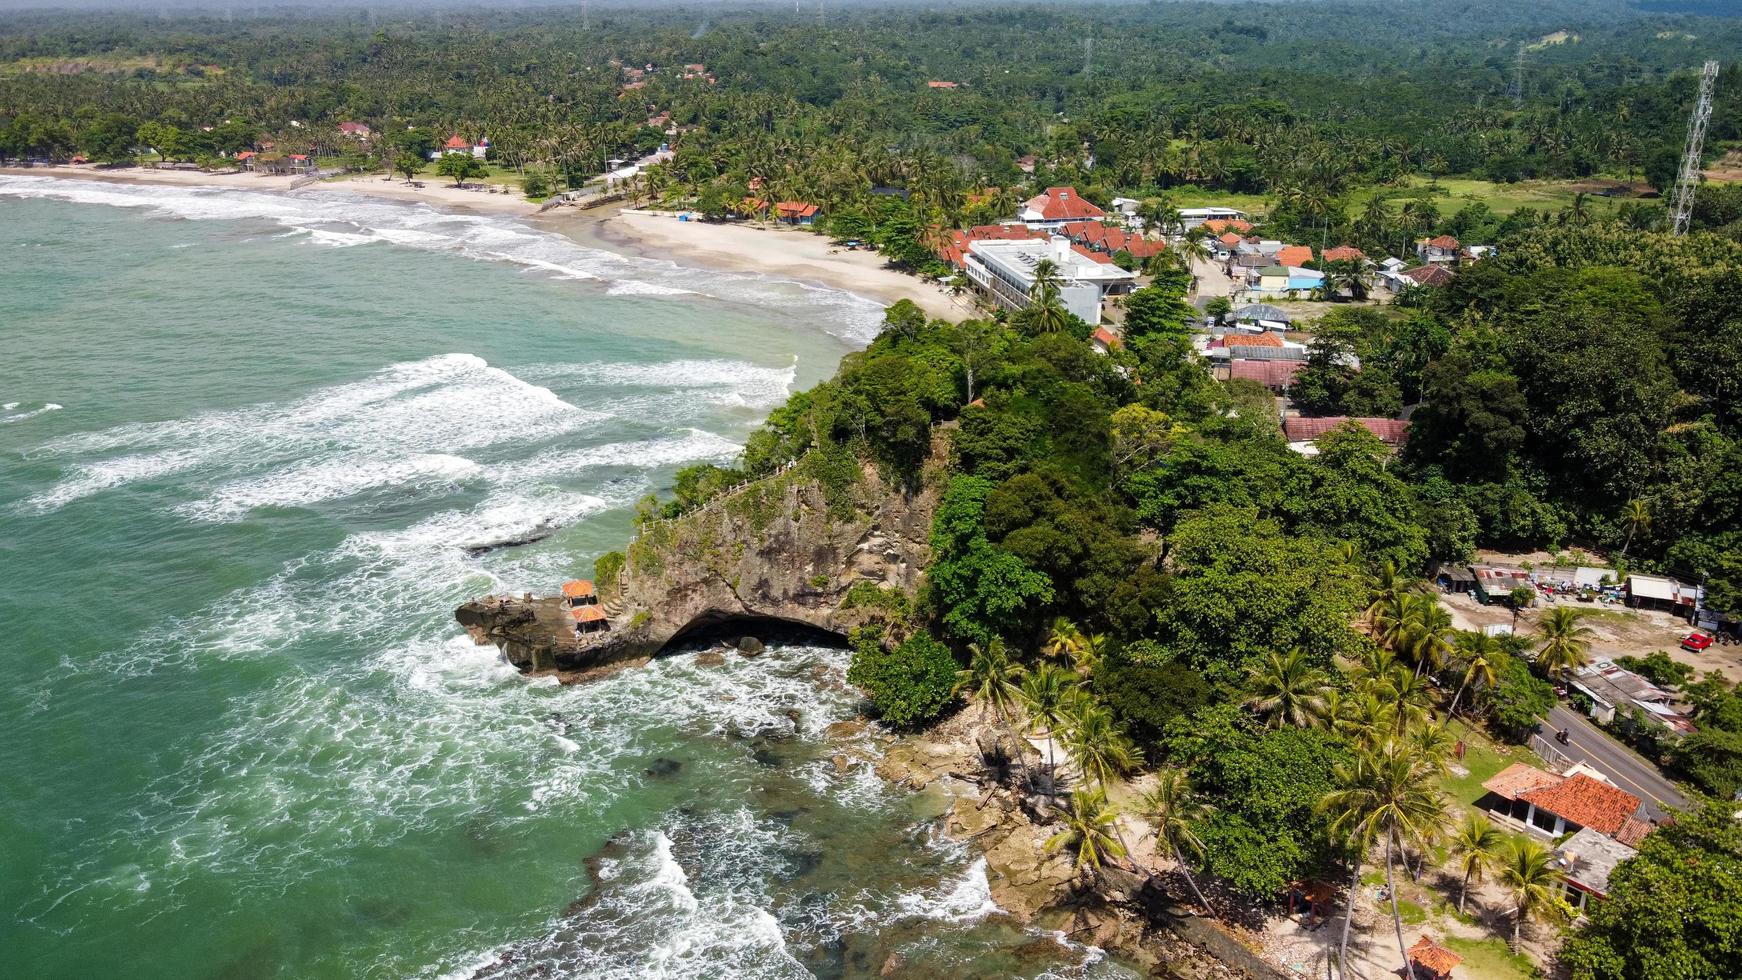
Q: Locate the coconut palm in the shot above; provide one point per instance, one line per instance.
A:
(1566, 640)
(1046, 694)
(1089, 831)
(1637, 513)
(1063, 639)
(1172, 807)
(1086, 658)
(1432, 743)
(1476, 845)
(1386, 795)
(1287, 690)
(1528, 873)
(1407, 693)
(1050, 315)
(992, 679)
(1046, 277)
(1388, 586)
(1431, 635)
(1101, 751)
(1477, 651)
(1394, 619)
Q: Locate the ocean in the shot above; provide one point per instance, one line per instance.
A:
(254, 448)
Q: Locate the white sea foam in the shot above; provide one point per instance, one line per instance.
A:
(335, 479)
(33, 413)
(345, 220)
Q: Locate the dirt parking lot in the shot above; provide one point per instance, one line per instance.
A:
(1618, 631)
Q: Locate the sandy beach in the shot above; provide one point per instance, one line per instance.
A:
(789, 253)
(785, 253)
(435, 191)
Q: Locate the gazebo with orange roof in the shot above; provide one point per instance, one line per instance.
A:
(588, 618)
(579, 591)
(1431, 961)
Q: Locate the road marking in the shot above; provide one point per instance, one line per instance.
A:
(1617, 775)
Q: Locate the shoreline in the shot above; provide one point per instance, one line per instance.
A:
(785, 253)
(779, 253)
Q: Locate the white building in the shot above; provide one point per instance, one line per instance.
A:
(1004, 272)
(1193, 217)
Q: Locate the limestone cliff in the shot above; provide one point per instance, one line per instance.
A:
(782, 550)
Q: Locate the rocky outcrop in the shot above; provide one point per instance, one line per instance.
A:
(779, 553)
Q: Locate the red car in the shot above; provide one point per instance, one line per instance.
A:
(1696, 642)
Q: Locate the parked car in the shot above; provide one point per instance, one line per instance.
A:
(1696, 641)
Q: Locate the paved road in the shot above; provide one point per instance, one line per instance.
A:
(1630, 772)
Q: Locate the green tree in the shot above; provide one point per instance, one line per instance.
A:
(407, 164)
(909, 685)
(1287, 690)
(1673, 910)
(109, 138)
(1171, 807)
(1097, 747)
(1476, 847)
(460, 166)
(1089, 832)
(1528, 872)
(1047, 695)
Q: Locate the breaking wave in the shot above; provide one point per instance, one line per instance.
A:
(339, 220)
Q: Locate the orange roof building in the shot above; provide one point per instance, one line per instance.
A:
(1344, 253)
(578, 589)
(1295, 255)
(586, 615)
(1266, 339)
(1557, 805)
(1429, 957)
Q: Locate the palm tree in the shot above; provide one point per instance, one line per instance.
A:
(1395, 618)
(1529, 874)
(992, 679)
(1062, 639)
(1407, 695)
(1099, 749)
(1050, 315)
(1287, 690)
(1476, 846)
(1088, 830)
(1475, 649)
(1046, 277)
(1430, 637)
(1385, 795)
(1566, 641)
(1432, 743)
(1087, 656)
(1046, 693)
(1638, 516)
(1171, 805)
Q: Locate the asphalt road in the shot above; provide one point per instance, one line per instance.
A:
(1630, 772)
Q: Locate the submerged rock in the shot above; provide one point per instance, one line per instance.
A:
(750, 646)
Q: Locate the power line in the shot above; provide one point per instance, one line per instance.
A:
(1517, 86)
(1687, 183)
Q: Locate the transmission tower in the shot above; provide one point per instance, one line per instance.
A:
(1688, 181)
(1088, 57)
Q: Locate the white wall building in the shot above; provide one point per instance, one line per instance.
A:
(1004, 272)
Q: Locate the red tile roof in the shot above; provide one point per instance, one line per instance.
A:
(981, 233)
(1101, 257)
(588, 614)
(578, 588)
(1586, 802)
(1344, 253)
(1443, 241)
(935, 84)
(1429, 275)
(1434, 957)
(1142, 248)
(1106, 338)
(353, 127)
(1519, 778)
(796, 209)
(455, 143)
(246, 154)
(1633, 830)
(1392, 432)
(1252, 340)
(1063, 204)
(1230, 239)
(1270, 374)
(1220, 225)
(1294, 255)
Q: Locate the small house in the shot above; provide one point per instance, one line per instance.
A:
(797, 212)
(1105, 340)
(1587, 859)
(1613, 689)
(1495, 583)
(1275, 375)
(1553, 805)
(580, 592)
(1056, 206)
(455, 144)
(1443, 250)
(1302, 433)
(1344, 253)
(354, 130)
(1657, 592)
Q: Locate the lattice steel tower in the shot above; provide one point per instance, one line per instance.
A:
(1687, 183)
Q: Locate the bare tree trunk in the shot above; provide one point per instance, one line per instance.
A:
(1463, 891)
(1178, 859)
(1348, 918)
(1391, 847)
(1452, 711)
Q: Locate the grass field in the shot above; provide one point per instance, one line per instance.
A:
(1483, 758)
(1490, 959)
(1191, 196)
(1449, 194)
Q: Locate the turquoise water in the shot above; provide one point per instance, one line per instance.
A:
(250, 449)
